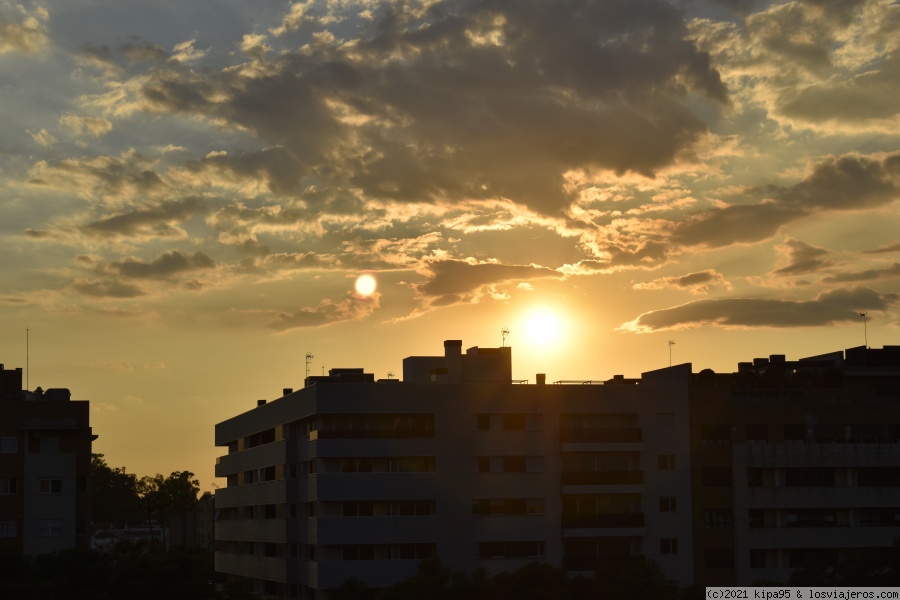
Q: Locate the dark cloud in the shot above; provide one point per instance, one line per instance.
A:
(697, 283)
(451, 280)
(97, 55)
(158, 220)
(164, 266)
(144, 52)
(106, 289)
(844, 183)
(328, 312)
(891, 272)
(475, 99)
(837, 306)
(894, 247)
(803, 258)
(863, 97)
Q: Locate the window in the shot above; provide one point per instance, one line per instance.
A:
(758, 433)
(9, 445)
(528, 549)
(8, 529)
(794, 433)
(666, 462)
(50, 527)
(9, 487)
(719, 558)
(754, 477)
(757, 518)
(668, 546)
(508, 506)
(757, 559)
(667, 504)
(716, 433)
(50, 486)
(717, 476)
(718, 518)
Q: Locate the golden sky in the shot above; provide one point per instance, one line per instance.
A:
(190, 190)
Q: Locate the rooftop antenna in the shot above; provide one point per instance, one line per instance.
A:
(26, 358)
(390, 374)
(671, 343)
(863, 314)
(505, 333)
(309, 358)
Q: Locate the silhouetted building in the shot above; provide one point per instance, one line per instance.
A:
(720, 478)
(794, 463)
(194, 527)
(45, 460)
(349, 477)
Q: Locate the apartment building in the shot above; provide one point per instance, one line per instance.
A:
(794, 462)
(352, 477)
(45, 459)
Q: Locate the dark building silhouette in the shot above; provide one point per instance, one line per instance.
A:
(45, 459)
(718, 478)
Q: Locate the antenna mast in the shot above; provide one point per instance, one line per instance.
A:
(863, 314)
(309, 358)
(505, 333)
(671, 343)
(26, 358)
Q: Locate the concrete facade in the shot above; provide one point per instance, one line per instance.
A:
(363, 479)
(45, 457)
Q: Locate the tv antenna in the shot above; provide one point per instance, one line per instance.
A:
(671, 343)
(390, 374)
(26, 359)
(309, 358)
(864, 314)
(505, 333)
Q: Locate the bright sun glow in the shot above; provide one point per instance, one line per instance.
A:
(544, 326)
(366, 285)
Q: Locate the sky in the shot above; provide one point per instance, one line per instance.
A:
(189, 192)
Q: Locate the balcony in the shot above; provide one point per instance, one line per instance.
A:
(602, 477)
(603, 521)
(245, 565)
(627, 435)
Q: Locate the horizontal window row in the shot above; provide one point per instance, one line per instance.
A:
(397, 464)
(385, 551)
(805, 477)
(526, 549)
(508, 506)
(828, 433)
(9, 445)
(723, 518)
(509, 422)
(416, 425)
(509, 464)
(364, 508)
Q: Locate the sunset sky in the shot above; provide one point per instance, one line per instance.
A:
(190, 190)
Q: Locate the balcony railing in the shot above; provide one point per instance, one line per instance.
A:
(601, 436)
(602, 521)
(602, 477)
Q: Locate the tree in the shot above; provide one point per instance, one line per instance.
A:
(164, 496)
(115, 494)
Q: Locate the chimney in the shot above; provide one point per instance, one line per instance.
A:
(540, 378)
(286, 391)
(260, 402)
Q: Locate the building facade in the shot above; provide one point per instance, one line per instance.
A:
(794, 463)
(721, 479)
(45, 459)
(352, 477)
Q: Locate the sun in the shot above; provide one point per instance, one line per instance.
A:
(366, 285)
(544, 326)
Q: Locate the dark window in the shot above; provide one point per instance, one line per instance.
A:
(717, 476)
(666, 462)
(484, 422)
(484, 464)
(668, 546)
(809, 477)
(794, 433)
(514, 464)
(667, 504)
(715, 432)
(718, 518)
(757, 518)
(754, 477)
(757, 433)
(719, 558)
(757, 559)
